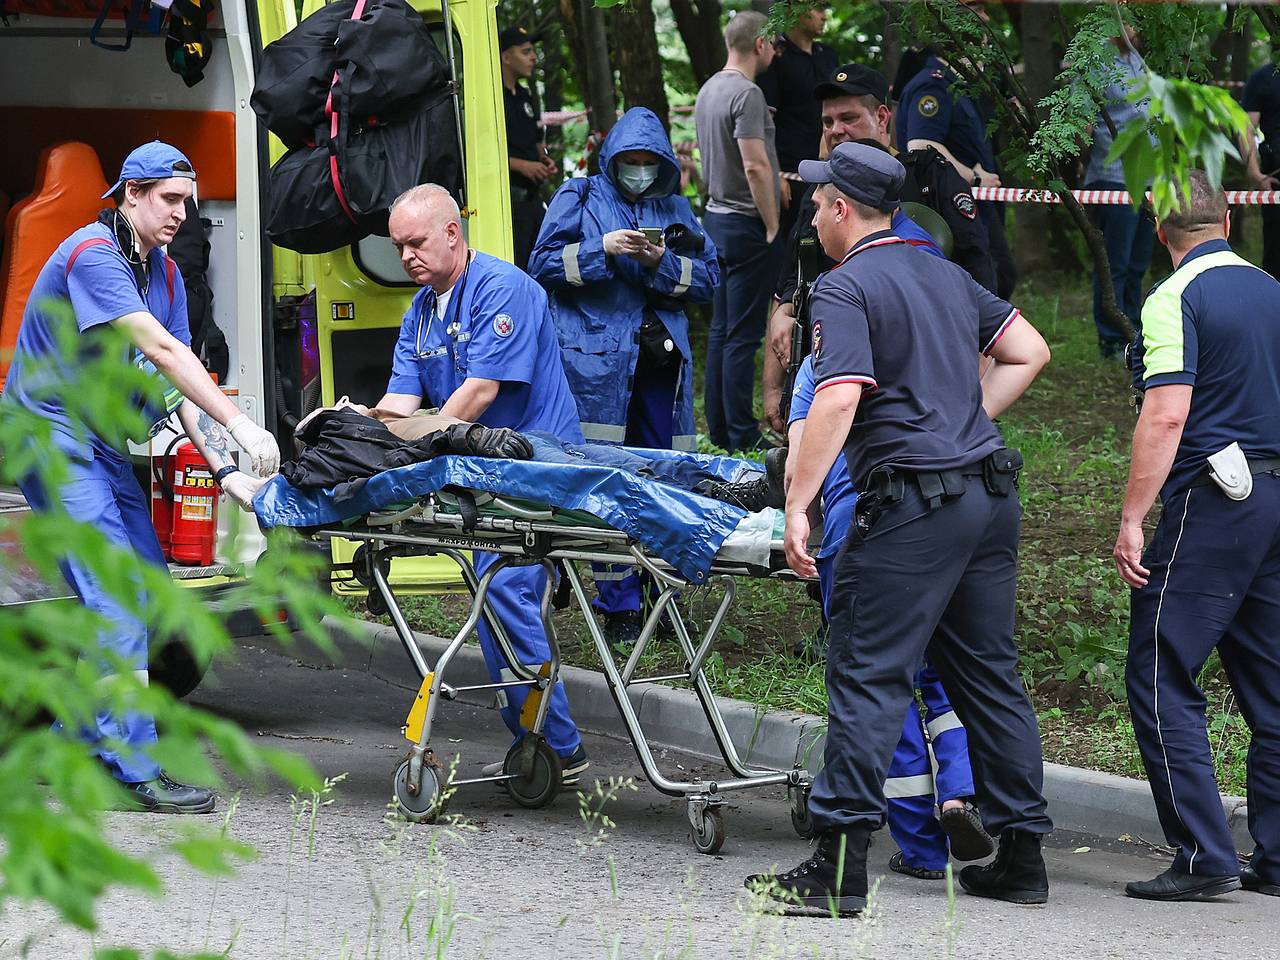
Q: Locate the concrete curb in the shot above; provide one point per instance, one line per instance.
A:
(1081, 800)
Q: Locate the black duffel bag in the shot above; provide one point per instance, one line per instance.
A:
(304, 212)
(377, 163)
(390, 67)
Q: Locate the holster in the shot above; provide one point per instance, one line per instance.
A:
(1000, 471)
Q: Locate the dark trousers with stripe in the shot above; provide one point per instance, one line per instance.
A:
(1215, 583)
(943, 582)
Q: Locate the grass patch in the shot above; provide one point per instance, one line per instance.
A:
(1073, 427)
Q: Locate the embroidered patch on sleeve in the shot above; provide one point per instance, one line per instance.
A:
(503, 325)
(927, 105)
(963, 202)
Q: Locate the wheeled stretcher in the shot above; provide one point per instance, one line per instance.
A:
(449, 519)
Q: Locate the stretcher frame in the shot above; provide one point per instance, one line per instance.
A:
(522, 535)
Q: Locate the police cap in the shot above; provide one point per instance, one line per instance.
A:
(516, 37)
(853, 80)
(867, 174)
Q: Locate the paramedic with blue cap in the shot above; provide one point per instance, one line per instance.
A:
(925, 840)
(929, 561)
(618, 301)
(478, 343)
(114, 271)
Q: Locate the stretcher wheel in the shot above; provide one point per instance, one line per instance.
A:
(801, 821)
(711, 837)
(424, 806)
(535, 772)
(375, 604)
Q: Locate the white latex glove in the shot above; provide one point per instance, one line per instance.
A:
(261, 446)
(242, 488)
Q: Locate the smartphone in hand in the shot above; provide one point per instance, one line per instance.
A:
(652, 234)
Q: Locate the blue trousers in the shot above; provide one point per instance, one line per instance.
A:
(105, 493)
(739, 313)
(1130, 237)
(912, 793)
(516, 596)
(650, 416)
(1215, 583)
(943, 582)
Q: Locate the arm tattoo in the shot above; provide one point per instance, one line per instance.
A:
(216, 441)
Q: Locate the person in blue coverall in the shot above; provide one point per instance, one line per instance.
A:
(115, 272)
(618, 301)
(478, 343)
(909, 789)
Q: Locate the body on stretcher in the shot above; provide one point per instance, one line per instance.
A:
(453, 521)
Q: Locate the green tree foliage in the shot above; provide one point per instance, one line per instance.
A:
(54, 847)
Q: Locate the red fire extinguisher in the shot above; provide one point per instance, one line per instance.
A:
(184, 506)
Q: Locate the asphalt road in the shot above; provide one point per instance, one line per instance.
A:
(502, 881)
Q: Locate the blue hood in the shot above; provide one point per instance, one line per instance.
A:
(640, 129)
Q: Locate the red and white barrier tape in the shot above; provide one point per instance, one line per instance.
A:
(1092, 197)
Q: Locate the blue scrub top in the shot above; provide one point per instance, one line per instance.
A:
(496, 327)
(838, 496)
(89, 271)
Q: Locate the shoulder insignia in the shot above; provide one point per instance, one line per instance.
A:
(963, 202)
(503, 325)
(927, 105)
(938, 75)
(817, 339)
(528, 108)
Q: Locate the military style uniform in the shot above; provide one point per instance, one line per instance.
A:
(929, 110)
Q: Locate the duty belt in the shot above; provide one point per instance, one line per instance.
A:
(1261, 465)
(999, 472)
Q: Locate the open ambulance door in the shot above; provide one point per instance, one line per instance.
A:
(335, 316)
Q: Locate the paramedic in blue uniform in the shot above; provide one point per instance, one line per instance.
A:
(618, 301)
(1208, 363)
(929, 559)
(478, 343)
(925, 837)
(930, 114)
(115, 272)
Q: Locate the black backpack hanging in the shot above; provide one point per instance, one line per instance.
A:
(188, 46)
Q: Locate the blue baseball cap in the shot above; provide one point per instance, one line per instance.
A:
(152, 161)
(868, 174)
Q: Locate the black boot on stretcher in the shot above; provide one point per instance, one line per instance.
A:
(761, 490)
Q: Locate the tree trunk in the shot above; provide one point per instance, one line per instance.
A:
(1034, 222)
(890, 45)
(698, 22)
(639, 62)
(553, 67)
(603, 99)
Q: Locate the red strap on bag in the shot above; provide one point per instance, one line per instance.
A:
(170, 272)
(356, 14)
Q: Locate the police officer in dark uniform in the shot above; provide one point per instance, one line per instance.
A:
(854, 106)
(1208, 440)
(929, 563)
(526, 152)
(931, 115)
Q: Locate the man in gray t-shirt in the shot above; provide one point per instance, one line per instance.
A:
(1128, 233)
(740, 168)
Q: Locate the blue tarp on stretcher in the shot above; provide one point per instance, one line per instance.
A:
(683, 528)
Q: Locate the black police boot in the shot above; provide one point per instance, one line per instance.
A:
(1252, 881)
(1175, 885)
(622, 630)
(1016, 875)
(164, 795)
(814, 882)
(760, 491)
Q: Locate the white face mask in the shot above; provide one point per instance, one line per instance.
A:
(636, 178)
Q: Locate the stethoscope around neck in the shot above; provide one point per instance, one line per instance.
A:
(452, 328)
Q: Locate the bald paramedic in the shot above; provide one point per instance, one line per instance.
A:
(478, 342)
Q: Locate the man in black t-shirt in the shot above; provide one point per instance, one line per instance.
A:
(526, 152)
(929, 560)
(801, 63)
(1261, 102)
